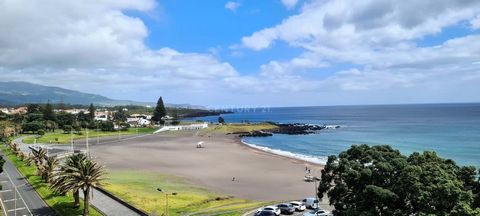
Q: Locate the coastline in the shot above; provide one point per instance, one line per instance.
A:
(214, 166)
(298, 158)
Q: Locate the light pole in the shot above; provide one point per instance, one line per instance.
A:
(166, 199)
(71, 140)
(88, 152)
(98, 138)
(315, 180)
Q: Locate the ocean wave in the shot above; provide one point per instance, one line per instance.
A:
(307, 158)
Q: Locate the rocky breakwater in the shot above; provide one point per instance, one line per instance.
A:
(290, 129)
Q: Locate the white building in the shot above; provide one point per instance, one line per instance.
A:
(183, 127)
(5, 110)
(138, 121)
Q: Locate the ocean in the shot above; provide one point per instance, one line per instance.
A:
(452, 130)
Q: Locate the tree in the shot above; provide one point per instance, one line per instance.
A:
(159, 111)
(33, 126)
(106, 126)
(38, 157)
(120, 116)
(379, 180)
(91, 112)
(66, 121)
(2, 161)
(48, 113)
(48, 169)
(83, 119)
(221, 120)
(58, 183)
(81, 176)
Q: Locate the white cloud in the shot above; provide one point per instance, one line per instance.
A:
(233, 6)
(475, 23)
(94, 46)
(377, 38)
(290, 3)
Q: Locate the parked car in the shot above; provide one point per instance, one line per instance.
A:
(273, 209)
(318, 212)
(299, 206)
(310, 203)
(265, 213)
(286, 208)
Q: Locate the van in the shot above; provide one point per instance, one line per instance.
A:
(310, 202)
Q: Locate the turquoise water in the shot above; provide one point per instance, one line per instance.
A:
(452, 130)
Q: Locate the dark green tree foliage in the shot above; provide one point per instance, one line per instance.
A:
(379, 180)
(33, 126)
(48, 113)
(120, 116)
(66, 121)
(83, 119)
(106, 126)
(159, 111)
(91, 112)
(2, 161)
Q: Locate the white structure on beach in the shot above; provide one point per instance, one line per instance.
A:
(182, 127)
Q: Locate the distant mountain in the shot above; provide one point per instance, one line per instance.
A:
(14, 93)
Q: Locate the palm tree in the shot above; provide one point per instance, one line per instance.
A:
(89, 175)
(83, 175)
(29, 159)
(48, 168)
(71, 163)
(39, 155)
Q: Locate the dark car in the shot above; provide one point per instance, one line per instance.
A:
(286, 208)
(265, 213)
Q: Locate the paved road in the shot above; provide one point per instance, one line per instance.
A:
(23, 200)
(101, 201)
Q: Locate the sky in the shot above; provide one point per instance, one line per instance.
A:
(247, 52)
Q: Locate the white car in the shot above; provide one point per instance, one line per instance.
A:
(311, 203)
(318, 212)
(273, 209)
(299, 206)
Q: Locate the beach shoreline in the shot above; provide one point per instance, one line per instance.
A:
(257, 175)
(298, 158)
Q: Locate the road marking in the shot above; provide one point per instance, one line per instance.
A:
(16, 209)
(16, 189)
(1, 182)
(10, 200)
(3, 191)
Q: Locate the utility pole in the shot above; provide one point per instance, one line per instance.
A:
(71, 140)
(88, 152)
(98, 138)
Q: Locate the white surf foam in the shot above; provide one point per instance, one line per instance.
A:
(311, 159)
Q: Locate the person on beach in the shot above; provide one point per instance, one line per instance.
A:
(233, 179)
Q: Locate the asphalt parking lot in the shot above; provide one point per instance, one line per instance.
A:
(323, 206)
(12, 201)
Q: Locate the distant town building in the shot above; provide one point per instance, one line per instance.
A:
(19, 110)
(138, 121)
(102, 115)
(5, 110)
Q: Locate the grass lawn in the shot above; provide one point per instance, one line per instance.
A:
(65, 138)
(139, 189)
(237, 128)
(62, 205)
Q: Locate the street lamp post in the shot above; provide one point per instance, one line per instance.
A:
(166, 199)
